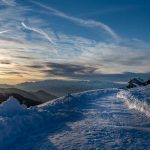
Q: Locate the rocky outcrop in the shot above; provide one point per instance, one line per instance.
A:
(136, 82)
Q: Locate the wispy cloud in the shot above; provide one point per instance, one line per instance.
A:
(9, 2)
(41, 32)
(69, 69)
(28, 53)
(5, 31)
(83, 22)
(7, 62)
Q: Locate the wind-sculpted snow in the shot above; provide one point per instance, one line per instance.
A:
(11, 107)
(93, 120)
(137, 98)
(15, 120)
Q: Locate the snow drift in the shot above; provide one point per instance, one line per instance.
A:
(17, 121)
(11, 107)
(95, 119)
(137, 98)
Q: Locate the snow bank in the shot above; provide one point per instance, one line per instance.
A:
(137, 98)
(78, 97)
(15, 121)
(18, 123)
(11, 107)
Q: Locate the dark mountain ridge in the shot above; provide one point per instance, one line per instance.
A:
(25, 97)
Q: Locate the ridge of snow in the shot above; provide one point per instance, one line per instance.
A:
(137, 98)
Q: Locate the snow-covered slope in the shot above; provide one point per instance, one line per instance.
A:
(137, 98)
(92, 120)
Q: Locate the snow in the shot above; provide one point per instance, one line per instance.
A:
(11, 106)
(92, 120)
(137, 98)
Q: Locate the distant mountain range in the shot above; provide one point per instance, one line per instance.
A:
(63, 87)
(26, 97)
(33, 93)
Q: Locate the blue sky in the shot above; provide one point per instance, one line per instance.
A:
(128, 18)
(68, 39)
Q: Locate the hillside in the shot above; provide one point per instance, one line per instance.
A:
(44, 96)
(26, 97)
(23, 100)
(98, 119)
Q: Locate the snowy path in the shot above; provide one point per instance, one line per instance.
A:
(89, 121)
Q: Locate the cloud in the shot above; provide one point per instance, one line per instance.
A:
(68, 70)
(25, 57)
(77, 57)
(9, 2)
(11, 73)
(116, 57)
(35, 66)
(41, 32)
(82, 72)
(5, 31)
(87, 23)
(5, 62)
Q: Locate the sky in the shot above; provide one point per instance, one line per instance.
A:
(73, 39)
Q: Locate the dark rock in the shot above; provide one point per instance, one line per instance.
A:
(148, 82)
(135, 82)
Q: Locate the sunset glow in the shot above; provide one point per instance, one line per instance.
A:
(36, 43)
